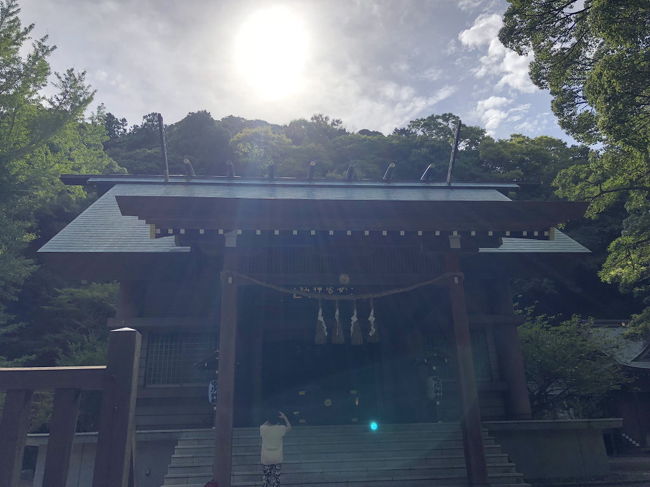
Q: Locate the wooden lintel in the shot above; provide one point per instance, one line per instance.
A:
(50, 378)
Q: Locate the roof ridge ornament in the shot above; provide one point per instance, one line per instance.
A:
(388, 175)
(426, 175)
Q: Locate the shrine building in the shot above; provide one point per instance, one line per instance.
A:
(343, 303)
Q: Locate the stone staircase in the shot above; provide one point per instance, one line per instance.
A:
(404, 455)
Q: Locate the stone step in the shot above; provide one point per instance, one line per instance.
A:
(351, 443)
(305, 436)
(342, 459)
(341, 430)
(327, 441)
(372, 477)
(312, 451)
(409, 455)
(379, 483)
(349, 470)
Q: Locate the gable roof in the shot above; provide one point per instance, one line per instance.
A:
(102, 228)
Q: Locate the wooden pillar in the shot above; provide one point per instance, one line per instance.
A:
(257, 349)
(510, 357)
(62, 430)
(511, 363)
(223, 420)
(117, 417)
(471, 414)
(13, 434)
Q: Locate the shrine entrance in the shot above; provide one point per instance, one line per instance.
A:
(322, 384)
(404, 374)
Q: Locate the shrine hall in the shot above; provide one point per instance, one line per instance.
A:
(356, 307)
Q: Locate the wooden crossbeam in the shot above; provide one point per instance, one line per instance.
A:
(50, 378)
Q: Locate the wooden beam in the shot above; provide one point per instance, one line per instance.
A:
(222, 465)
(116, 422)
(341, 215)
(471, 413)
(62, 430)
(13, 434)
(50, 378)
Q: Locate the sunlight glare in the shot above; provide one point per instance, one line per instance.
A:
(271, 51)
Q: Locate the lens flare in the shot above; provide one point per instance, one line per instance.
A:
(271, 51)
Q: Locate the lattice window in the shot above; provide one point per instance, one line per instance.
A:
(171, 357)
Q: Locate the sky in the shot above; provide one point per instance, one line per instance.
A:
(375, 64)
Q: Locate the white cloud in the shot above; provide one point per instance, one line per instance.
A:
(534, 125)
(431, 74)
(494, 110)
(473, 5)
(499, 61)
(375, 64)
(493, 102)
(373, 104)
(483, 31)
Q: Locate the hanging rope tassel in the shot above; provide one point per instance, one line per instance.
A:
(321, 327)
(373, 333)
(338, 337)
(356, 337)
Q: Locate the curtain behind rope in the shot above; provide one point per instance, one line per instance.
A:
(356, 337)
(349, 297)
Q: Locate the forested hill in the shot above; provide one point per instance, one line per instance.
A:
(251, 145)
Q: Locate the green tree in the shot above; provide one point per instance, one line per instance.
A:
(594, 58)
(201, 139)
(28, 121)
(533, 162)
(198, 137)
(115, 127)
(40, 138)
(258, 148)
(570, 370)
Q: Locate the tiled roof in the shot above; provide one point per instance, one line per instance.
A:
(110, 180)
(561, 244)
(304, 191)
(101, 228)
(628, 351)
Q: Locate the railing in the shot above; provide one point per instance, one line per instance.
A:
(118, 381)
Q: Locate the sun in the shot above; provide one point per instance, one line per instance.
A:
(271, 51)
